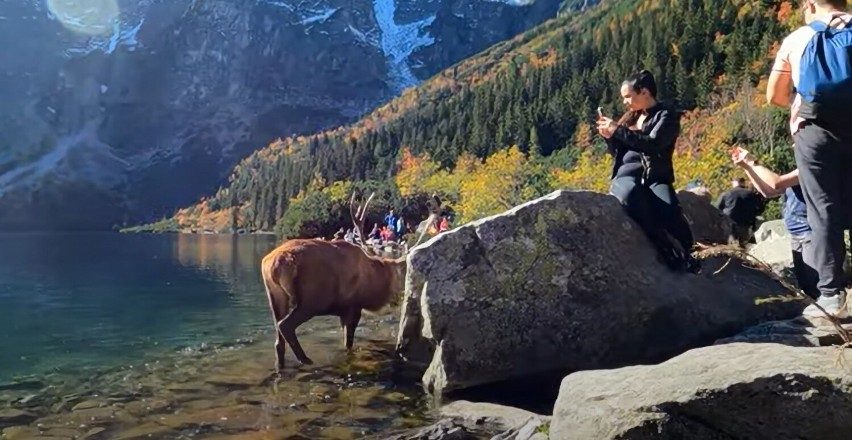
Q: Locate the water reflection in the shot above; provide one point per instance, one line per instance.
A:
(140, 336)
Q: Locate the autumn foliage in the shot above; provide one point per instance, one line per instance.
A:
(515, 122)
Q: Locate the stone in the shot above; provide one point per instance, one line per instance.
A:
(778, 254)
(444, 429)
(28, 384)
(533, 429)
(478, 414)
(20, 433)
(799, 332)
(732, 391)
(146, 430)
(12, 416)
(565, 282)
(93, 433)
(709, 224)
(87, 404)
(771, 230)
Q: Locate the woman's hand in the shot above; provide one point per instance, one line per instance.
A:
(606, 127)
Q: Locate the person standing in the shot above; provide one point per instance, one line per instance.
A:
(742, 206)
(816, 59)
(795, 214)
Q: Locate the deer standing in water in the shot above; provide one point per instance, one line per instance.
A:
(310, 277)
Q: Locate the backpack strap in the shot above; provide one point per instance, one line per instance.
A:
(819, 26)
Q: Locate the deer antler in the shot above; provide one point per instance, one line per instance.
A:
(358, 218)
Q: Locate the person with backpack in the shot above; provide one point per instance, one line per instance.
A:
(816, 59)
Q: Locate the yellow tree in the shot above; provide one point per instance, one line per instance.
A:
(500, 183)
(414, 172)
(591, 172)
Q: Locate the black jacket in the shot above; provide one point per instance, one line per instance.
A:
(655, 142)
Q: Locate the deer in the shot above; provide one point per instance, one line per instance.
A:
(305, 278)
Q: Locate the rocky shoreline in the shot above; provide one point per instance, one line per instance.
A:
(558, 304)
(568, 283)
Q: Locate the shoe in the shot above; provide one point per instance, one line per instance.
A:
(835, 305)
(691, 264)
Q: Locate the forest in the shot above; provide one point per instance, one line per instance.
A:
(516, 121)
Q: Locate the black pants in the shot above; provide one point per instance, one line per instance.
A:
(806, 276)
(825, 175)
(657, 210)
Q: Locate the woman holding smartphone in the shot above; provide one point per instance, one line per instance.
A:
(642, 144)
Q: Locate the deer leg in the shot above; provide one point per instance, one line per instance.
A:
(287, 327)
(350, 323)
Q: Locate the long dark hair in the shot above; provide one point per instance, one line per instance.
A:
(642, 80)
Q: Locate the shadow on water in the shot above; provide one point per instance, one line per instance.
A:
(536, 393)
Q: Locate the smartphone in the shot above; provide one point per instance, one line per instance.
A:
(735, 152)
(600, 112)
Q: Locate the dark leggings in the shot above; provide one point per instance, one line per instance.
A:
(657, 210)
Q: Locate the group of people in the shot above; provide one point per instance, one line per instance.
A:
(394, 229)
(816, 60)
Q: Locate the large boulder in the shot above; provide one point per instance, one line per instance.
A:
(733, 391)
(563, 283)
(778, 254)
(771, 230)
(709, 225)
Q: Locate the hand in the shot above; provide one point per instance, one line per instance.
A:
(606, 127)
(742, 158)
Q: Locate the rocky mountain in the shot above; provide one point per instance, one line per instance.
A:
(115, 111)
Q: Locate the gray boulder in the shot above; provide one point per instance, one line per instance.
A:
(709, 225)
(778, 254)
(725, 392)
(565, 282)
(499, 417)
(771, 230)
(799, 332)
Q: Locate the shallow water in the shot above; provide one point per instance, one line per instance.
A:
(169, 336)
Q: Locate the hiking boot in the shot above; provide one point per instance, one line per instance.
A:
(692, 264)
(835, 305)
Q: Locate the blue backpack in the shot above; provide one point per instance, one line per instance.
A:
(825, 74)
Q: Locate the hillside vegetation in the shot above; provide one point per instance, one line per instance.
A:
(514, 122)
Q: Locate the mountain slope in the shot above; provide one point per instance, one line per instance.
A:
(533, 91)
(133, 108)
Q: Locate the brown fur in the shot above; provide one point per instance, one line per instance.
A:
(307, 277)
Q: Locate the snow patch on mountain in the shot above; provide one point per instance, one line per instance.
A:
(398, 42)
(514, 2)
(122, 35)
(319, 16)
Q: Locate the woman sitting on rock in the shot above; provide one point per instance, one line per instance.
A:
(642, 143)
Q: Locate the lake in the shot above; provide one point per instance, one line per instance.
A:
(112, 335)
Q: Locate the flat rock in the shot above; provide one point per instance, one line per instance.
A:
(771, 230)
(12, 416)
(88, 404)
(478, 414)
(731, 391)
(799, 332)
(445, 429)
(566, 282)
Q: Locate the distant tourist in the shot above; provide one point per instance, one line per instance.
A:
(742, 205)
